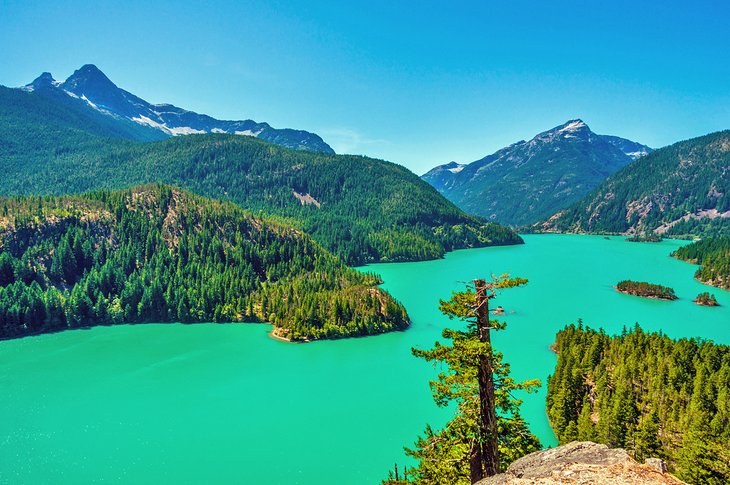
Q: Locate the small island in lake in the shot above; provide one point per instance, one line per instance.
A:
(646, 237)
(647, 290)
(706, 299)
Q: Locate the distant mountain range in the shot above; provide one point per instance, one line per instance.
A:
(89, 88)
(361, 209)
(677, 190)
(531, 180)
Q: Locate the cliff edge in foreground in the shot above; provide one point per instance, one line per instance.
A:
(582, 462)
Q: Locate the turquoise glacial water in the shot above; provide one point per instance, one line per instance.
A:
(224, 403)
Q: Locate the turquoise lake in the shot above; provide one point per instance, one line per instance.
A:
(225, 403)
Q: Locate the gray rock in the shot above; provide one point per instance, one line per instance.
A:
(581, 462)
(657, 464)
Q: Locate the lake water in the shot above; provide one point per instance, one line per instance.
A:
(227, 404)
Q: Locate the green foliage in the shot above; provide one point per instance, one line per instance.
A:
(648, 290)
(369, 210)
(443, 456)
(159, 254)
(669, 187)
(706, 299)
(645, 237)
(647, 393)
(714, 256)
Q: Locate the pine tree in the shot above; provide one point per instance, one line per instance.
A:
(464, 450)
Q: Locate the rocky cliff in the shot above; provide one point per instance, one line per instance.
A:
(582, 462)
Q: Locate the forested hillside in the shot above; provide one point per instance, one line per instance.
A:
(360, 208)
(647, 393)
(159, 254)
(681, 189)
(45, 116)
(714, 256)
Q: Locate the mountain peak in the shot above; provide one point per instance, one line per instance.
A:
(88, 78)
(576, 129)
(45, 79)
(92, 86)
(572, 125)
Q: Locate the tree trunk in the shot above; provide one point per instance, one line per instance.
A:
(487, 442)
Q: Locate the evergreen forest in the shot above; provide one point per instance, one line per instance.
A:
(159, 254)
(713, 254)
(647, 393)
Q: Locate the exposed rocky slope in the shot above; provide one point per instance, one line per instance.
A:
(680, 189)
(582, 462)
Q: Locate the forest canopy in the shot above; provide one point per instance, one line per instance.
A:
(647, 393)
(160, 254)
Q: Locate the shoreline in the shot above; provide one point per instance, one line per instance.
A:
(651, 297)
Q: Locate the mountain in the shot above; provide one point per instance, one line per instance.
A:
(530, 180)
(362, 209)
(160, 254)
(680, 189)
(97, 92)
(443, 176)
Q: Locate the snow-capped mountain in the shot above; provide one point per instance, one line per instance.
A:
(530, 180)
(93, 87)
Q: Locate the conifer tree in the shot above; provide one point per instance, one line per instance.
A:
(487, 432)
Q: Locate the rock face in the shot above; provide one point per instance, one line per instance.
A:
(581, 462)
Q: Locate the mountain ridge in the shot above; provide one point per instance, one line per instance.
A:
(682, 189)
(550, 171)
(366, 209)
(92, 86)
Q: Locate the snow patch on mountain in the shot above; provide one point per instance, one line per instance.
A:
(572, 126)
(249, 133)
(93, 87)
(185, 130)
(174, 131)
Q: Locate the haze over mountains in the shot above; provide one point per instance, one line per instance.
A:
(530, 180)
(158, 121)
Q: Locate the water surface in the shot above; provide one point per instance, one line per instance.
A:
(227, 404)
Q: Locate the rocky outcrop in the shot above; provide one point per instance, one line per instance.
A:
(582, 462)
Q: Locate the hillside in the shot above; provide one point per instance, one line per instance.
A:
(647, 393)
(549, 172)
(713, 254)
(89, 90)
(360, 208)
(680, 189)
(159, 254)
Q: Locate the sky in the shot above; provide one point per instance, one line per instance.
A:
(419, 83)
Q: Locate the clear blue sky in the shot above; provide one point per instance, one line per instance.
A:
(416, 82)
